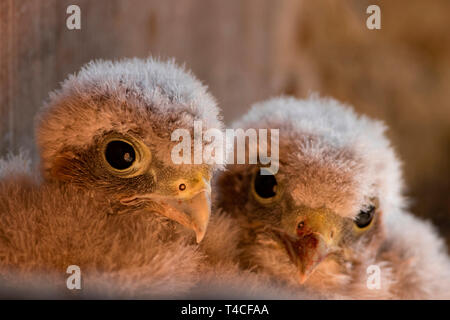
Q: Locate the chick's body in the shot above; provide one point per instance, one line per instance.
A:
(332, 219)
(44, 229)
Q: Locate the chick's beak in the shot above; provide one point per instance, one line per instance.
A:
(314, 241)
(195, 212)
(192, 207)
(311, 251)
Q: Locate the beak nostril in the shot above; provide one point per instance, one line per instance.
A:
(331, 234)
(182, 187)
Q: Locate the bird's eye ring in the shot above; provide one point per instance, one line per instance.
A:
(365, 217)
(125, 156)
(264, 186)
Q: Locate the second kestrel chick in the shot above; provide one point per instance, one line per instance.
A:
(332, 218)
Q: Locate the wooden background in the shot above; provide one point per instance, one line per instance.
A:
(248, 51)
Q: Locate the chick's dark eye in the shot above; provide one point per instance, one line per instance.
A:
(365, 217)
(120, 155)
(265, 185)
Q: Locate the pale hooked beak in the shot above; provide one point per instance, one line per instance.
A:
(311, 253)
(196, 211)
(306, 252)
(316, 237)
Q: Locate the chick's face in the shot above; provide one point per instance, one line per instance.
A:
(134, 173)
(108, 130)
(319, 219)
(291, 229)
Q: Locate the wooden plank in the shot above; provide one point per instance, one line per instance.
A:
(227, 44)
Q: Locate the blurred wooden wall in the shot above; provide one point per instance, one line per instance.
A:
(400, 74)
(228, 45)
(248, 51)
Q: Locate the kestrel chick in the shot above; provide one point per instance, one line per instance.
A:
(333, 218)
(110, 199)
